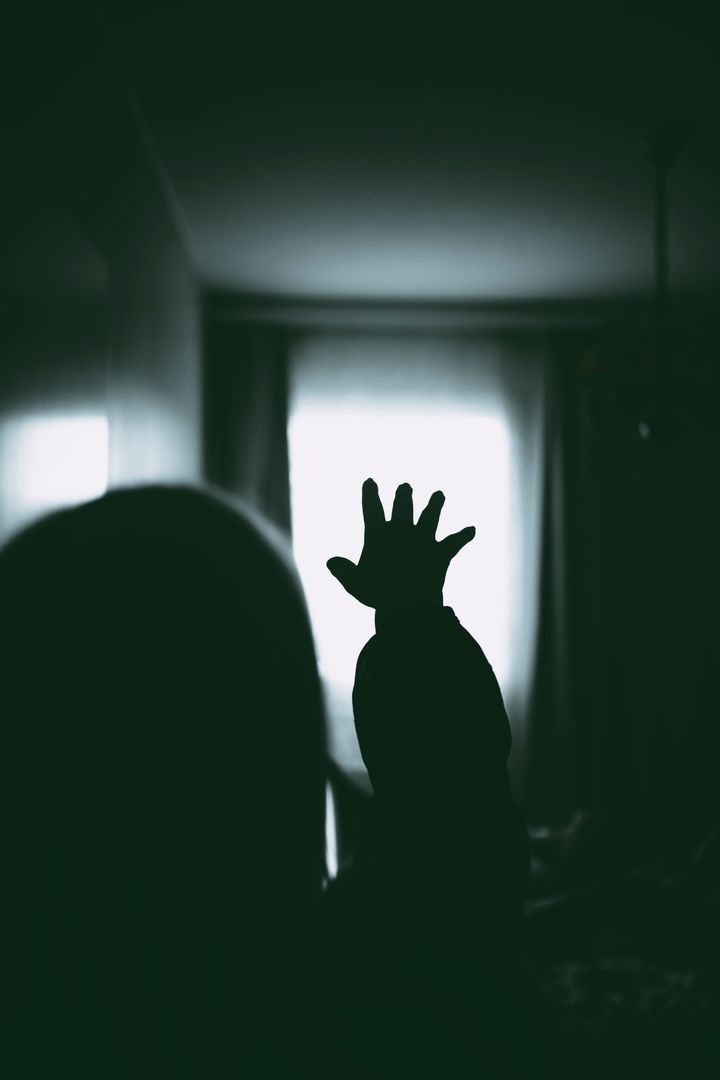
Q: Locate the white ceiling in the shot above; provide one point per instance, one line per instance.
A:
(440, 158)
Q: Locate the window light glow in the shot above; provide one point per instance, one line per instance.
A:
(331, 841)
(462, 451)
(51, 461)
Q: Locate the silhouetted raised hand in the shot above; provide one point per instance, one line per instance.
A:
(401, 564)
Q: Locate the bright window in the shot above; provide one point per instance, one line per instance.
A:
(50, 461)
(463, 450)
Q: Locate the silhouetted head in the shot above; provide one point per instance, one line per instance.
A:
(161, 772)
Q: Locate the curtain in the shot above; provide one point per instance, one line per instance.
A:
(598, 603)
(625, 708)
(245, 410)
(553, 779)
(459, 412)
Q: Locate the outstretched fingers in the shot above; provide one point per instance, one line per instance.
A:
(372, 508)
(428, 520)
(402, 511)
(456, 542)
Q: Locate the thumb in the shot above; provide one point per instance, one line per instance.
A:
(345, 572)
(452, 544)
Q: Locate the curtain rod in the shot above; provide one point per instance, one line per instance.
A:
(318, 314)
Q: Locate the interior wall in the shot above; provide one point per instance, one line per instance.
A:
(154, 373)
(54, 343)
(99, 302)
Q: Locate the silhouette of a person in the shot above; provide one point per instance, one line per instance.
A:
(429, 972)
(162, 757)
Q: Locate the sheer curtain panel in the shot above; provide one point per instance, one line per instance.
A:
(457, 412)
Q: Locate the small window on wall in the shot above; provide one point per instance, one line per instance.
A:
(399, 410)
(47, 462)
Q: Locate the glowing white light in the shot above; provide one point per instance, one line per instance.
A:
(464, 452)
(331, 846)
(52, 461)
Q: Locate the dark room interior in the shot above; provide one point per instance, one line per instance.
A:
(273, 252)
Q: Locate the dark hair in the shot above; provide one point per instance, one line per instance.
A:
(161, 762)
